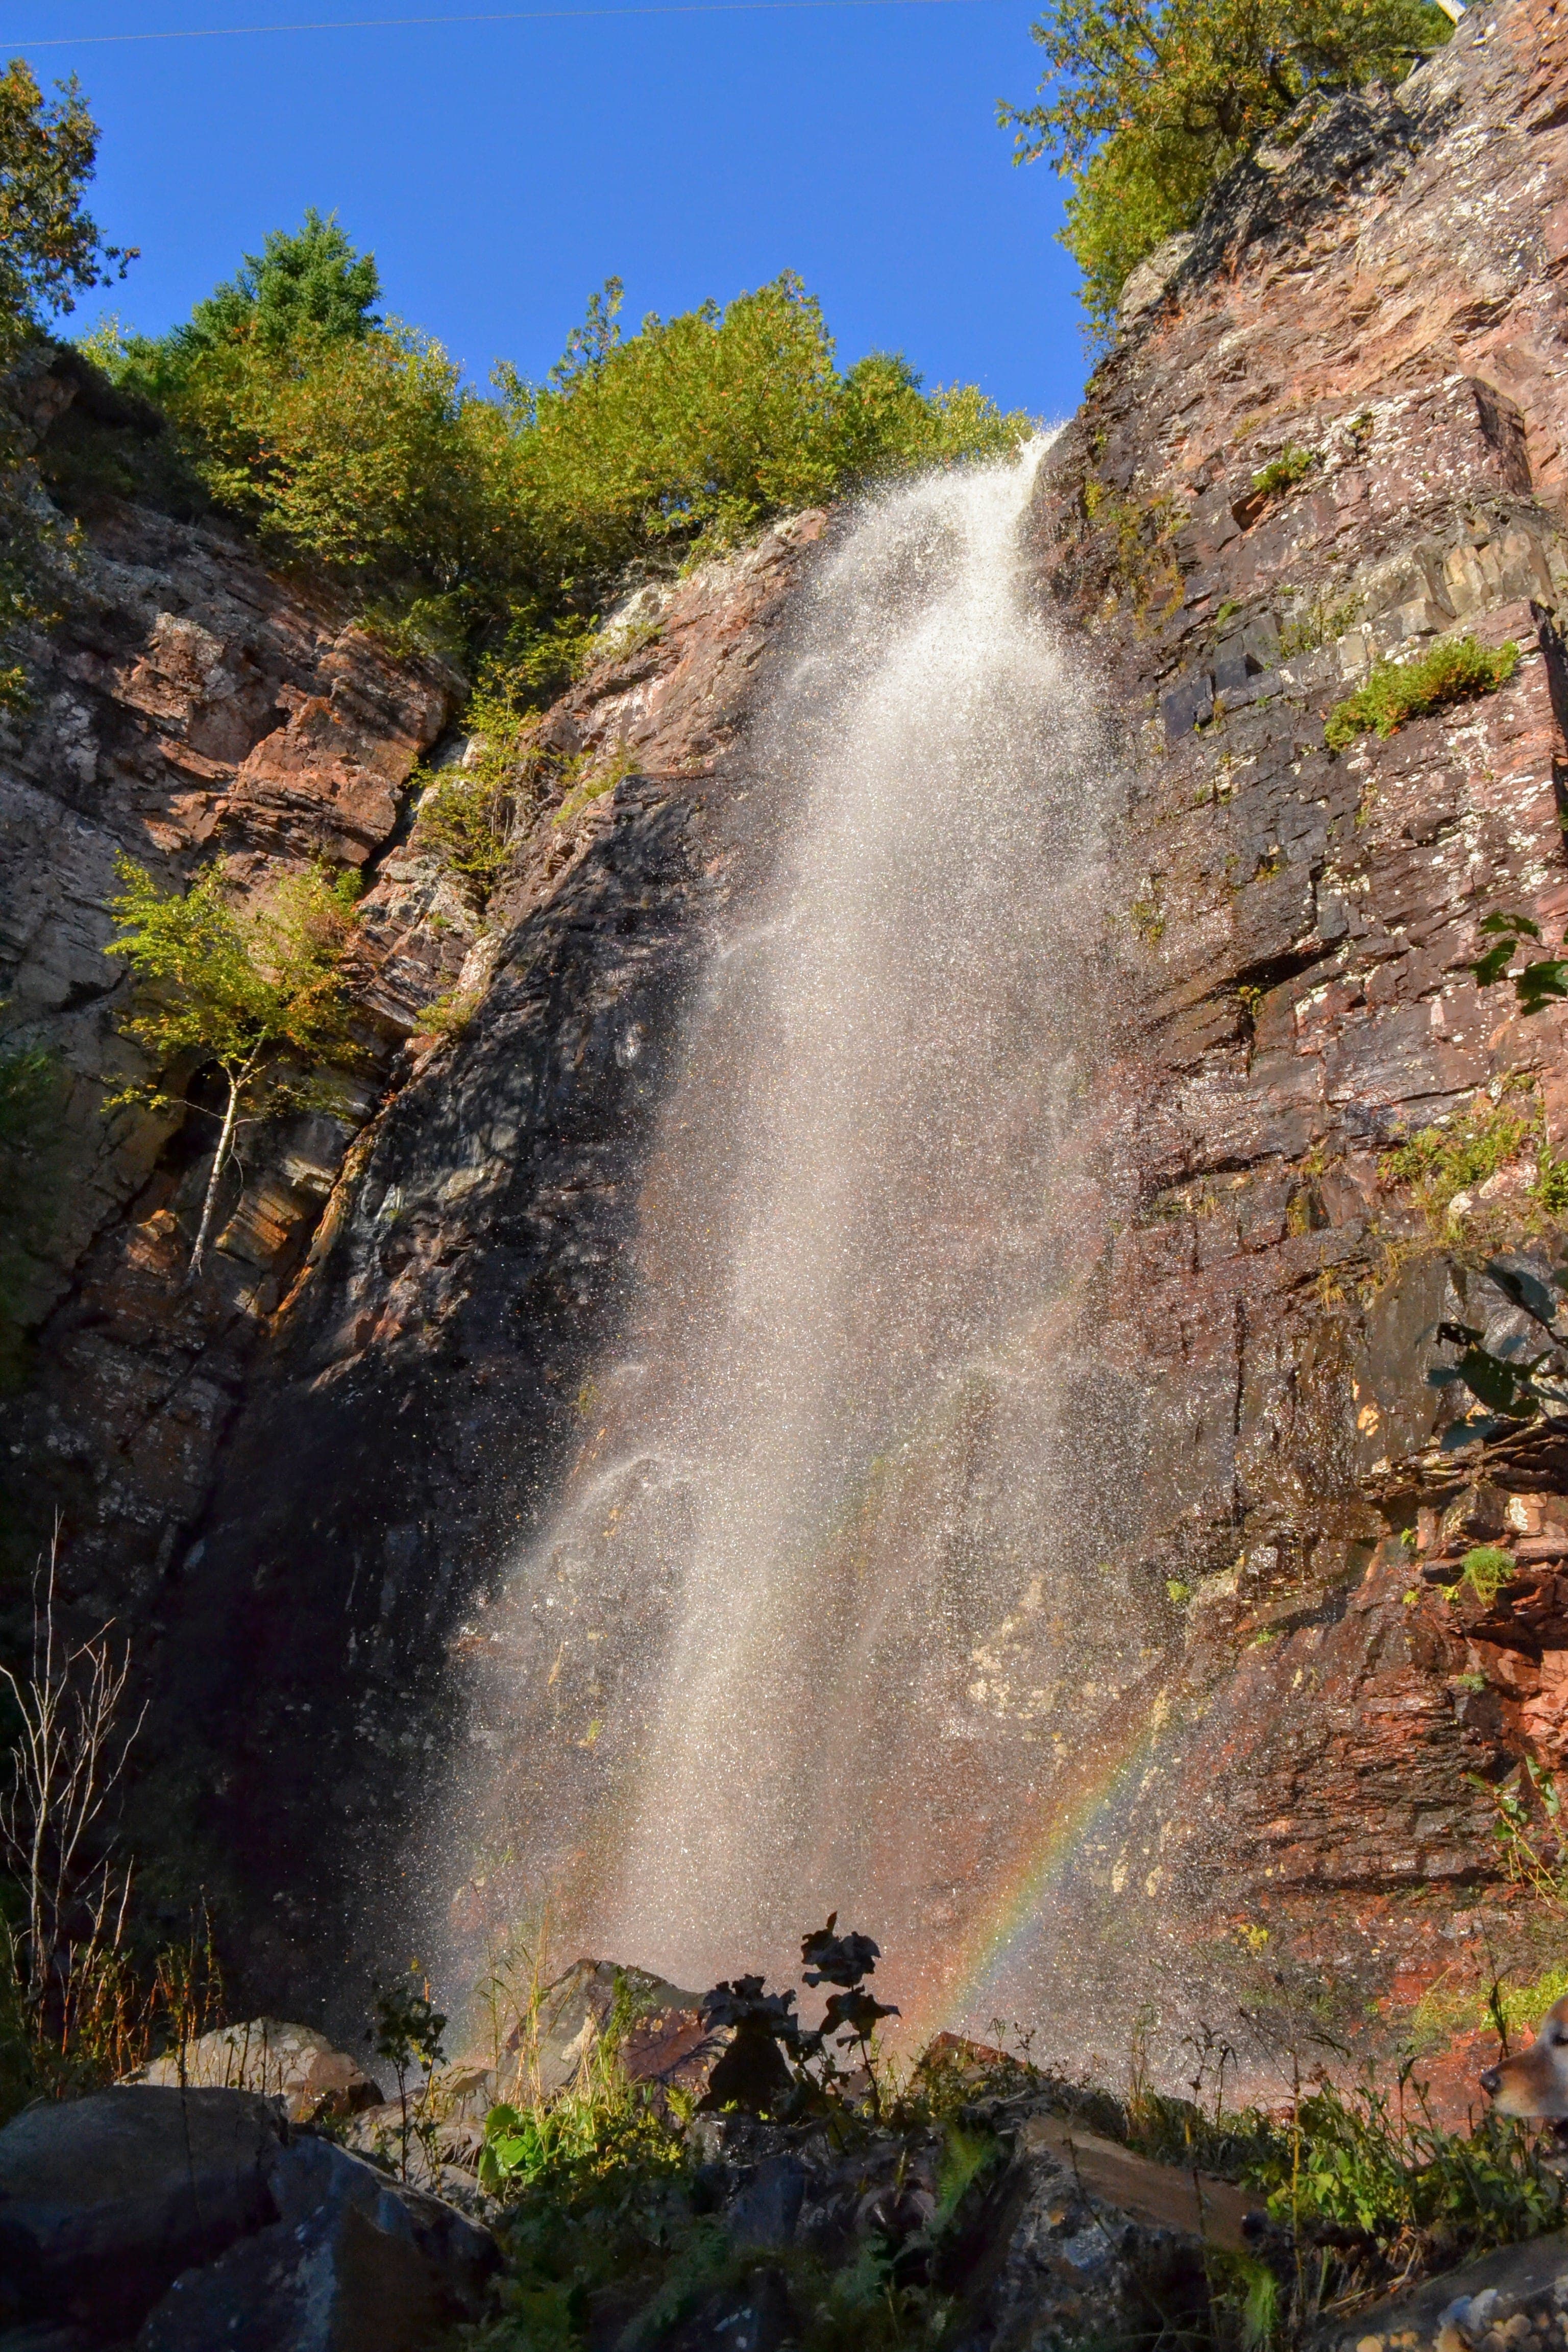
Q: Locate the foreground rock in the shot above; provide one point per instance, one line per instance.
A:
(291, 2063)
(1516, 2297)
(659, 2040)
(185, 2219)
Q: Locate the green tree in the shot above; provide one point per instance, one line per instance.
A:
(502, 525)
(260, 992)
(1146, 103)
(50, 249)
(311, 284)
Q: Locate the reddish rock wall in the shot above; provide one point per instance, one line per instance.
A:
(1378, 300)
(1382, 291)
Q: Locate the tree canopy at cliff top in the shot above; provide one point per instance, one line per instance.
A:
(1144, 107)
(501, 523)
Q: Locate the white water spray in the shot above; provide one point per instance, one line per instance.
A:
(794, 1639)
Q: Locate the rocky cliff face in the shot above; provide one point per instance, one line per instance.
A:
(282, 1478)
(1333, 428)
(188, 705)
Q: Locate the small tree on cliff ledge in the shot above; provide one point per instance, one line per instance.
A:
(1148, 105)
(260, 991)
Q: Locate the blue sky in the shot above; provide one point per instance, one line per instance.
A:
(500, 172)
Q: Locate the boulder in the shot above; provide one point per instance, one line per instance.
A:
(292, 2063)
(200, 2217)
(104, 2201)
(354, 2263)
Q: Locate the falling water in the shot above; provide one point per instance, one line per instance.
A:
(807, 1624)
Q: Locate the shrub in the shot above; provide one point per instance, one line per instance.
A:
(469, 816)
(1144, 110)
(1456, 669)
(1440, 1162)
(1282, 473)
(505, 522)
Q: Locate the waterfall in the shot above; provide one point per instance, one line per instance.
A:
(808, 1627)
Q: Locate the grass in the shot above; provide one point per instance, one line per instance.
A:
(1485, 1569)
(1439, 1163)
(1282, 473)
(1442, 2012)
(609, 2232)
(1316, 623)
(1456, 669)
(113, 2014)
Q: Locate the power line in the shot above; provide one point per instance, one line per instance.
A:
(508, 17)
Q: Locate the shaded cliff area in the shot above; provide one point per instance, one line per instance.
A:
(1333, 428)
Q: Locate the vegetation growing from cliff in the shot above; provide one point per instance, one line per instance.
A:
(259, 993)
(50, 251)
(1146, 104)
(503, 523)
(1542, 980)
(1439, 1163)
(1456, 670)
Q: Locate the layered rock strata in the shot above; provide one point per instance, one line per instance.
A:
(1332, 434)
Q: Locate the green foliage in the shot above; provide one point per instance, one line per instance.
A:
(301, 287)
(362, 452)
(504, 521)
(1145, 104)
(699, 427)
(1528, 1827)
(1371, 2161)
(1318, 623)
(1282, 473)
(259, 991)
(230, 984)
(1456, 670)
(1539, 982)
(50, 249)
(1485, 1569)
(468, 816)
(406, 2030)
(1440, 1162)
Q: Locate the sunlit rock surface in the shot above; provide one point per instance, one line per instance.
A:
(1207, 1721)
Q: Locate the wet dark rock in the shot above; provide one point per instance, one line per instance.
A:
(104, 2200)
(198, 2217)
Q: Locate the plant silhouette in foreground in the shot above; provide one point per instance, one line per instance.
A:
(66, 1763)
(407, 2033)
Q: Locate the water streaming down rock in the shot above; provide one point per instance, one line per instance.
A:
(809, 1620)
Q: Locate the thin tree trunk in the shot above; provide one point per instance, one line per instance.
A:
(220, 1160)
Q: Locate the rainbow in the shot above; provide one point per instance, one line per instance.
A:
(998, 1936)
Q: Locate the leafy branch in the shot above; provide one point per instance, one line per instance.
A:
(1512, 1385)
(1537, 985)
(255, 991)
